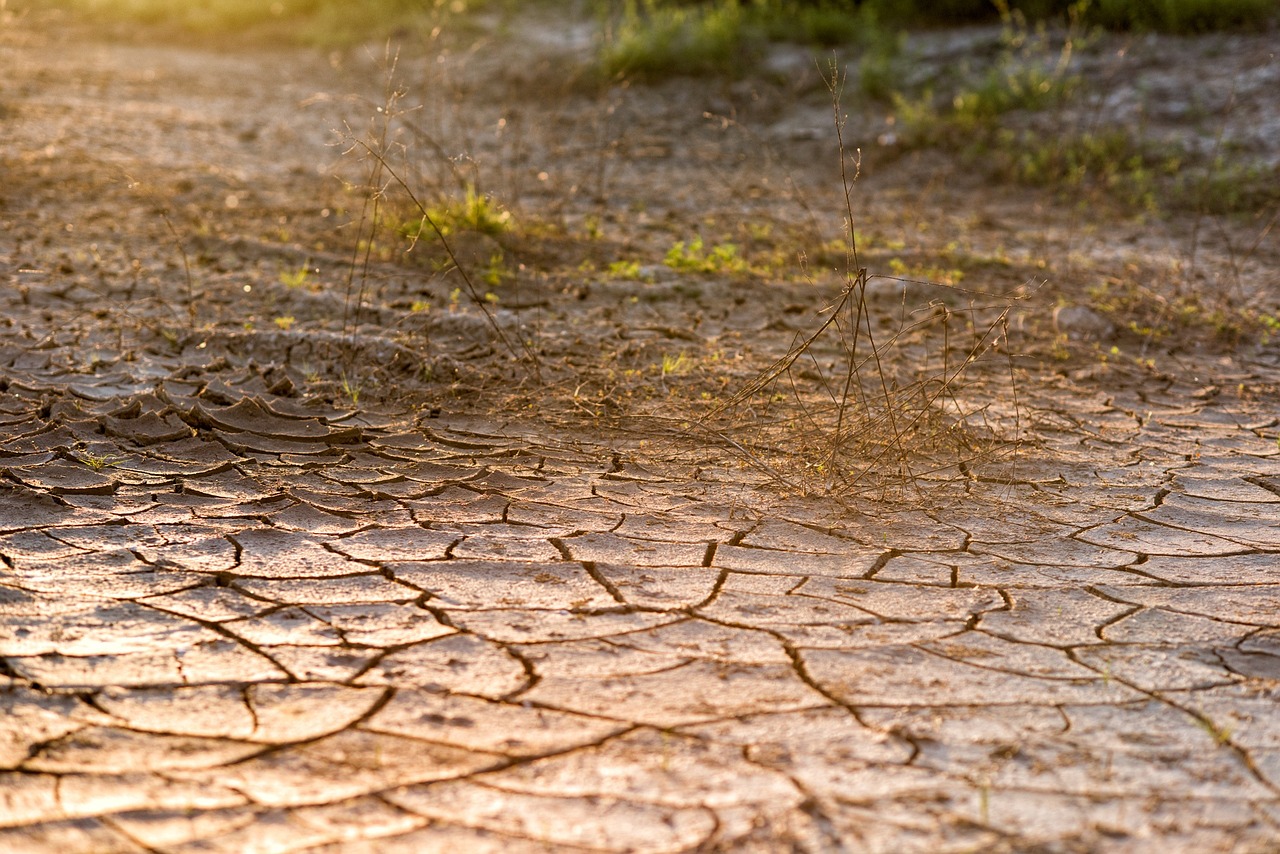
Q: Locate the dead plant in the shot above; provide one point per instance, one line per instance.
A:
(381, 149)
(874, 400)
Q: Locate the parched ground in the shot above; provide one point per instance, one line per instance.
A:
(311, 542)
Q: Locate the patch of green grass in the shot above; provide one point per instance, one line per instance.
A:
(475, 211)
(695, 257)
(664, 38)
(1111, 166)
(661, 38)
(926, 272)
(1225, 187)
(350, 389)
(1182, 16)
(1005, 89)
(497, 272)
(1187, 316)
(1112, 162)
(823, 23)
(880, 69)
(1169, 16)
(1116, 167)
(295, 278)
(655, 39)
(676, 365)
(98, 462)
(1030, 73)
(626, 270)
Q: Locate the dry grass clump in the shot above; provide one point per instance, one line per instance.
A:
(877, 396)
(867, 401)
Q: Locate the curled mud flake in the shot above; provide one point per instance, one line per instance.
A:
(436, 474)
(344, 590)
(66, 479)
(114, 574)
(483, 585)
(996, 653)
(1198, 483)
(347, 764)
(520, 625)
(26, 546)
(255, 443)
(513, 729)
(1062, 618)
(208, 658)
(779, 613)
(826, 748)
(1114, 553)
(398, 489)
(611, 548)
(288, 626)
(1249, 605)
(92, 627)
(506, 483)
(1138, 739)
(586, 821)
(380, 624)
(903, 602)
(787, 562)
(23, 508)
(674, 529)
(292, 713)
(106, 749)
(461, 663)
(1265, 641)
(272, 553)
(30, 718)
(697, 691)
(147, 429)
(506, 543)
(396, 544)
(82, 834)
(318, 664)
(455, 505)
(1256, 665)
(790, 536)
(700, 639)
(208, 603)
(197, 457)
(559, 520)
(206, 711)
(251, 415)
(1139, 535)
(1254, 524)
(904, 676)
(1155, 625)
(661, 588)
(1158, 667)
(209, 555)
(655, 766)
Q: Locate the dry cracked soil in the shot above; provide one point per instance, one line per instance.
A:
(305, 549)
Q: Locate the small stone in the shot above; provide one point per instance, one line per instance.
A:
(1078, 321)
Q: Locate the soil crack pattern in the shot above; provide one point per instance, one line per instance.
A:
(301, 553)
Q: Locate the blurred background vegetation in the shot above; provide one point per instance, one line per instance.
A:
(705, 28)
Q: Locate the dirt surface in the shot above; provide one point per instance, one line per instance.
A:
(305, 549)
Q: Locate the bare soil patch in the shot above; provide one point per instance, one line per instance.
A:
(199, 212)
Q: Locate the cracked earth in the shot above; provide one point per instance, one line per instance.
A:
(237, 615)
